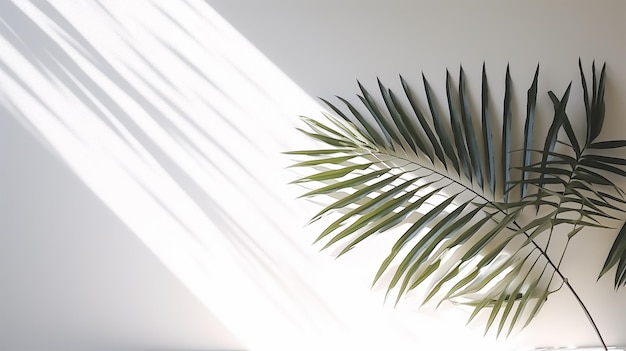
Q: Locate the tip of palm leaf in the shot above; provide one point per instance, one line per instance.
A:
(327, 245)
(600, 275)
(376, 278)
(527, 323)
(454, 296)
(440, 302)
(312, 220)
(395, 304)
(470, 319)
(508, 334)
(301, 180)
(343, 252)
(425, 301)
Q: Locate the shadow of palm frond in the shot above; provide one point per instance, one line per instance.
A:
(57, 50)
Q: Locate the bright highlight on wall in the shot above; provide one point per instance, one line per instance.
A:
(177, 123)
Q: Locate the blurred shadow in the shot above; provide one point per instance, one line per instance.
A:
(60, 67)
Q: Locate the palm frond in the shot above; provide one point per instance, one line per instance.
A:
(472, 246)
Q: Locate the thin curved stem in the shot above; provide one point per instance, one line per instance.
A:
(538, 247)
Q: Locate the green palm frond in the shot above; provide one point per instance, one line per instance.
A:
(475, 241)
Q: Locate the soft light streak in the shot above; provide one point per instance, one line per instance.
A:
(176, 122)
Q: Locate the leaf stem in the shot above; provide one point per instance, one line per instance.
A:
(571, 289)
(537, 246)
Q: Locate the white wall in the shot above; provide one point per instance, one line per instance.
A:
(86, 191)
(73, 276)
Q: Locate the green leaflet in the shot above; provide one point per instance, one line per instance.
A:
(611, 144)
(357, 195)
(438, 121)
(447, 228)
(411, 128)
(471, 139)
(617, 253)
(352, 183)
(529, 128)
(317, 152)
(321, 161)
(372, 216)
(490, 170)
(333, 174)
(551, 138)
(388, 131)
(372, 204)
(393, 219)
(458, 132)
(328, 140)
(424, 125)
(506, 135)
(567, 126)
(400, 120)
(371, 131)
(428, 242)
(411, 232)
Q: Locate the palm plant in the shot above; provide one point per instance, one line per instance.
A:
(478, 231)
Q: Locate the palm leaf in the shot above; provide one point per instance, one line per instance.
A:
(369, 129)
(438, 121)
(470, 135)
(420, 224)
(408, 128)
(616, 256)
(458, 130)
(388, 131)
(392, 220)
(423, 124)
(567, 126)
(506, 135)
(379, 181)
(553, 131)
(396, 118)
(489, 159)
(529, 130)
(611, 144)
